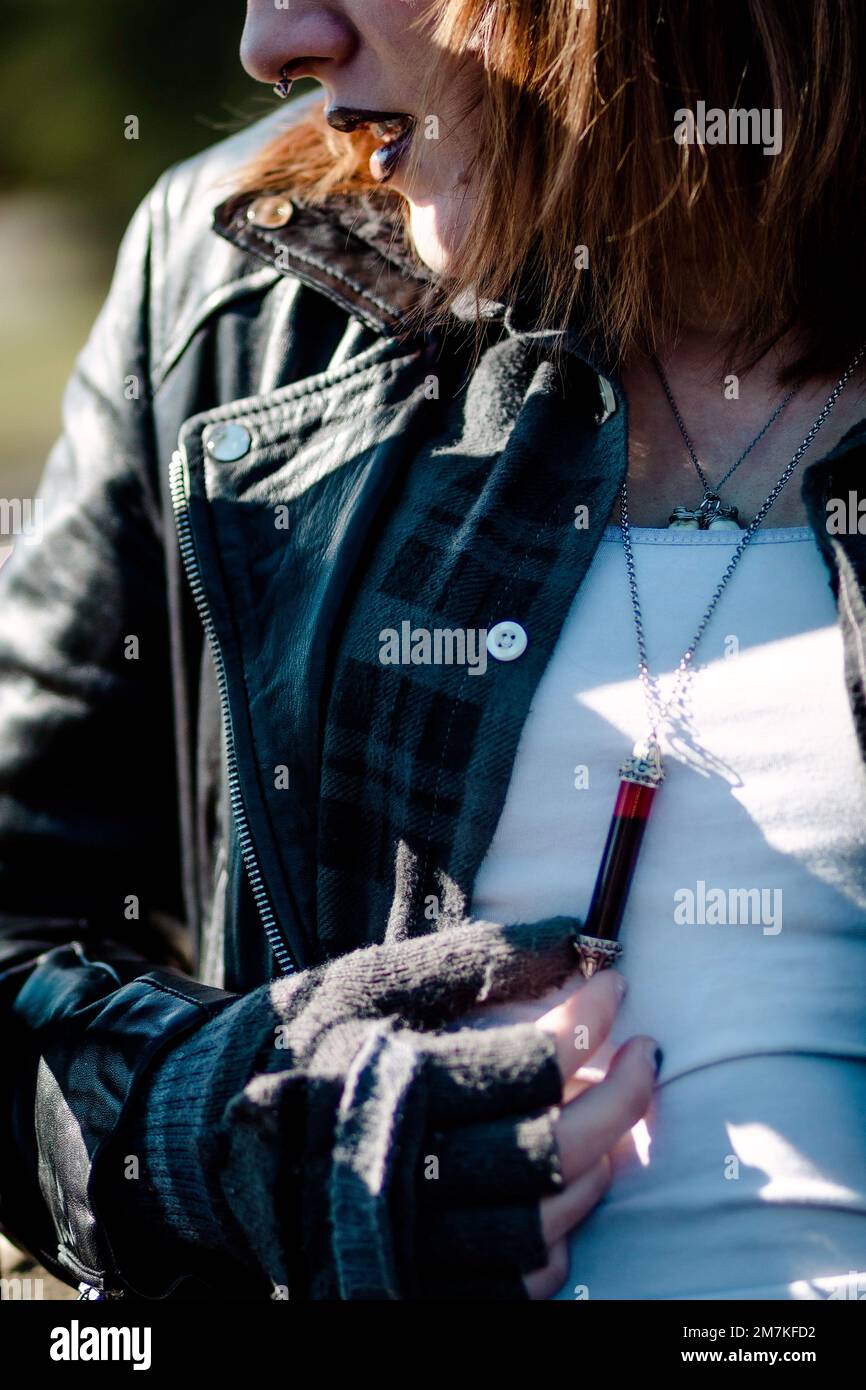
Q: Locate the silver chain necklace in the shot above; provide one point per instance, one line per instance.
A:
(642, 774)
(711, 513)
(649, 682)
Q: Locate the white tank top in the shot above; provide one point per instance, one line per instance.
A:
(745, 929)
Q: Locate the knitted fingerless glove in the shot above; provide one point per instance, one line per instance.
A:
(340, 1132)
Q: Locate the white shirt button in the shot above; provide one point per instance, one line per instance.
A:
(507, 641)
(227, 442)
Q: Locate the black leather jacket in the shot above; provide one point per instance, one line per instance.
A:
(148, 872)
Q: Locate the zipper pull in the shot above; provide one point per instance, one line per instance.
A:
(91, 1294)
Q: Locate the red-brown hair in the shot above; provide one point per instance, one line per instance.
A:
(576, 148)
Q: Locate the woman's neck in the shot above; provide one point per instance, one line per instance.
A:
(722, 414)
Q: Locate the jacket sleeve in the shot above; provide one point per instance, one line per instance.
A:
(89, 992)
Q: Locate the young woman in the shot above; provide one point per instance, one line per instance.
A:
(356, 593)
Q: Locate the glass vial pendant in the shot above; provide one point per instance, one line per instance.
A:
(640, 777)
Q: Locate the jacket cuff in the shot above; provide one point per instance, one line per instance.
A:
(173, 1129)
(90, 1043)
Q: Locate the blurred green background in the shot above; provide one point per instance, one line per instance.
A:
(71, 71)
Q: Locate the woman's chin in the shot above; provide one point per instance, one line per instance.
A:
(433, 233)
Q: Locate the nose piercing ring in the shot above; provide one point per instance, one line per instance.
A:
(284, 86)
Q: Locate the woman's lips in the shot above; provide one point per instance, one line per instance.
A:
(385, 159)
(393, 128)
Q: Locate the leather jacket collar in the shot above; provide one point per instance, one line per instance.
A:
(353, 252)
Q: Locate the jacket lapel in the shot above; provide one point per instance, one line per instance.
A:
(277, 537)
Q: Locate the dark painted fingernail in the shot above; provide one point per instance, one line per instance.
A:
(659, 1058)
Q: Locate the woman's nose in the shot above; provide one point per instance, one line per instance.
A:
(304, 36)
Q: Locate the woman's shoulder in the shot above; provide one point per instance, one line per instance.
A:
(187, 264)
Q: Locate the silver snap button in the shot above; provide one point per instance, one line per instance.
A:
(507, 641)
(227, 442)
(273, 211)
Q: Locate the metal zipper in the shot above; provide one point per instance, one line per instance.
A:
(179, 488)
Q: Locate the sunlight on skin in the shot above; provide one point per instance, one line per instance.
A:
(639, 1139)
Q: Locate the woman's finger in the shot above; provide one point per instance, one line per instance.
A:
(592, 1124)
(544, 1283)
(560, 1214)
(583, 1020)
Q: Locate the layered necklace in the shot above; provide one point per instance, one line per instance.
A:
(711, 513)
(642, 774)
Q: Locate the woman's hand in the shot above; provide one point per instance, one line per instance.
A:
(418, 1098)
(579, 1017)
